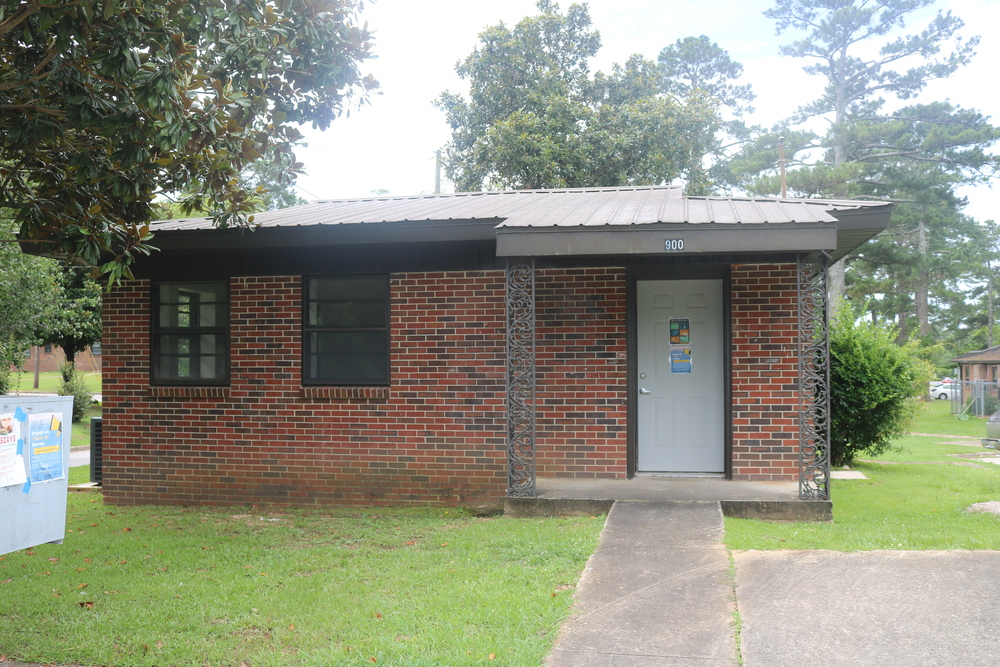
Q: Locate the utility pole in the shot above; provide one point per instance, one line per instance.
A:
(781, 164)
(989, 312)
(437, 171)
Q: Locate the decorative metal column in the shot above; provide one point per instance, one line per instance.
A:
(814, 379)
(521, 378)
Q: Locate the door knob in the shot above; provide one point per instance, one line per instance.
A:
(643, 390)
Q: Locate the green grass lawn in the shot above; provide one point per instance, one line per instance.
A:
(387, 586)
(79, 475)
(51, 382)
(915, 498)
(81, 430)
(936, 417)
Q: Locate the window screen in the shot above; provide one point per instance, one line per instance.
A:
(346, 331)
(190, 333)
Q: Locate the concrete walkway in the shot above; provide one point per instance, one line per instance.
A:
(659, 592)
(885, 608)
(656, 592)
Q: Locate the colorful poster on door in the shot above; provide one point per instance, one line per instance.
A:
(45, 446)
(680, 331)
(11, 460)
(680, 359)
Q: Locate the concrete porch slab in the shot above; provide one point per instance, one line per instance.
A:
(777, 501)
(665, 488)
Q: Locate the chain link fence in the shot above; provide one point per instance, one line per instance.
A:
(975, 398)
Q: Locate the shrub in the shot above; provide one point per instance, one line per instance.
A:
(67, 370)
(75, 385)
(872, 380)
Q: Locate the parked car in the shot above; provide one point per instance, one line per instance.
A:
(992, 439)
(941, 390)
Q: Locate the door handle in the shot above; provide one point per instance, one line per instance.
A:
(643, 390)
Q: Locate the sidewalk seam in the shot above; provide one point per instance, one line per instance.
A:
(737, 619)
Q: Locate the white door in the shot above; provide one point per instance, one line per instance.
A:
(680, 376)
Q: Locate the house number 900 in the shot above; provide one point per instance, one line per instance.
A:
(673, 244)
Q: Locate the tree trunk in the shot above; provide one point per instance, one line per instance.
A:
(837, 283)
(920, 296)
(989, 310)
(921, 306)
(837, 286)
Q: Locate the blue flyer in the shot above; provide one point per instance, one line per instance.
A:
(45, 446)
(680, 359)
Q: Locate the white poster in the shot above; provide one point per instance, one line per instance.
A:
(11, 448)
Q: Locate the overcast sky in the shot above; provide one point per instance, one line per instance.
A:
(390, 144)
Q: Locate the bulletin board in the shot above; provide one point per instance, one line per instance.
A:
(34, 469)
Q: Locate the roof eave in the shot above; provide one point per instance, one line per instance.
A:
(408, 231)
(855, 226)
(660, 239)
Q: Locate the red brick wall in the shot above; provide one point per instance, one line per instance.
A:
(581, 418)
(765, 372)
(436, 435)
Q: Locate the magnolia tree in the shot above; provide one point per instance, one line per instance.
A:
(107, 104)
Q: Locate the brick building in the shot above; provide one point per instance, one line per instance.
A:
(49, 358)
(453, 348)
(979, 366)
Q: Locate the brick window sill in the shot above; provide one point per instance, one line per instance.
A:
(346, 392)
(190, 392)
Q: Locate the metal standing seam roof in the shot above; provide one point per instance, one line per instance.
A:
(578, 207)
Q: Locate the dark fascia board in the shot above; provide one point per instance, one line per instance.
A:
(682, 239)
(856, 226)
(408, 231)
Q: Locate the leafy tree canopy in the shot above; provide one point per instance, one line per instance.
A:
(536, 118)
(915, 156)
(698, 64)
(268, 178)
(27, 297)
(835, 33)
(107, 103)
(879, 154)
(75, 321)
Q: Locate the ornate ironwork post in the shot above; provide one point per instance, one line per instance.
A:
(521, 378)
(814, 379)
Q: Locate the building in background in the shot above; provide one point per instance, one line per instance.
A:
(50, 357)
